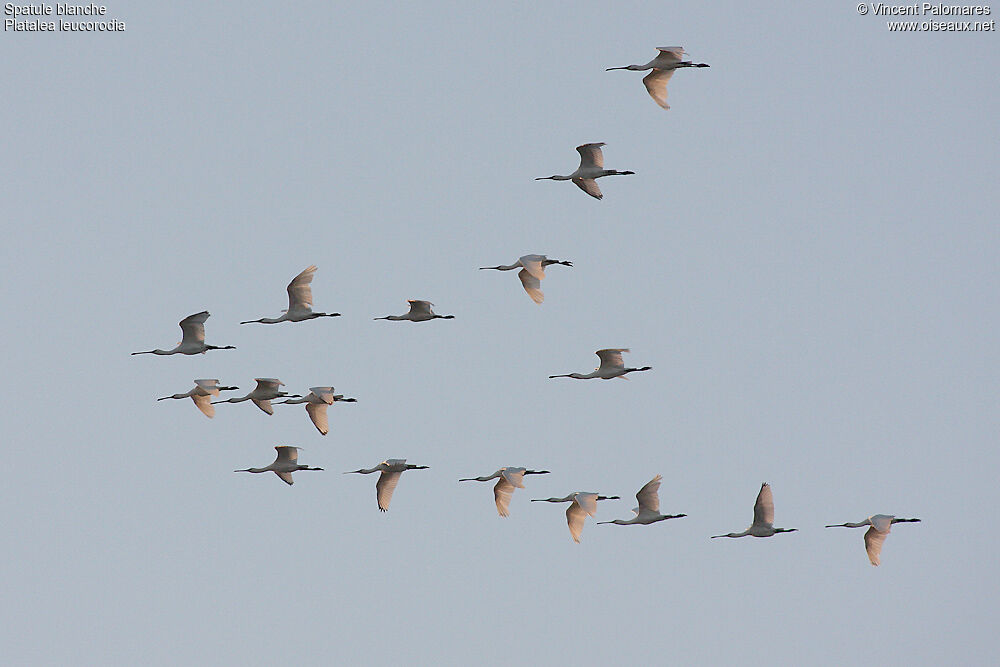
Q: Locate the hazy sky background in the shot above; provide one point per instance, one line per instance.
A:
(807, 257)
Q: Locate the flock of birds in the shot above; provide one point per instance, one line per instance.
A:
(531, 272)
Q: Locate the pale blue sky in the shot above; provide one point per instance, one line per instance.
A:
(807, 256)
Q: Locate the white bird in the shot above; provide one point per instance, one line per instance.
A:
(262, 394)
(876, 534)
(300, 300)
(591, 167)
(420, 311)
(508, 479)
(193, 340)
(612, 366)
(663, 65)
(284, 465)
(531, 274)
(391, 469)
(201, 395)
(648, 510)
(316, 402)
(582, 503)
(763, 517)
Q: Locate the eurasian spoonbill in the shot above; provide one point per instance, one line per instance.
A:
(648, 510)
(300, 300)
(420, 311)
(509, 479)
(582, 503)
(531, 274)
(193, 340)
(880, 524)
(284, 465)
(763, 517)
(663, 65)
(317, 400)
(201, 395)
(591, 167)
(612, 366)
(391, 469)
(262, 394)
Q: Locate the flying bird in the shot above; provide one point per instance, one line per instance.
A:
(316, 402)
(582, 503)
(507, 480)
(591, 167)
(391, 469)
(262, 395)
(420, 311)
(663, 65)
(531, 274)
(763, 517)
(648, 510)
(201, 395)
(193, 340)
(612, 366)
(300, 301)
(284, 465)
(880, 524)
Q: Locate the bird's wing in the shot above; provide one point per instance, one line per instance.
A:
(532, 285)
(612, 357)
(211, 386)
(589, 186)
(317, 413)
(502, 492)
(193, 327)
(656, 85)
(204, 404)
(669, 54)
(324, 394)
(287, 454)
(299, 290)
(286, 477)
(649, 495)
(587, 502)
(873, 543)
(882, 522)
(591, 155)
(515, 476)
(533, 265)
(763, 509)
(420, 307)
(267, 383)
(575, 516)
(384, 487)
(264, 404)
